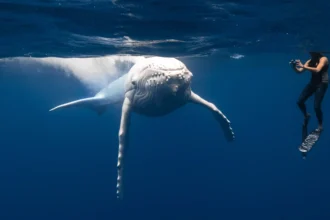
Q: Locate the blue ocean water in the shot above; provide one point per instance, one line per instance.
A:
(62, 164)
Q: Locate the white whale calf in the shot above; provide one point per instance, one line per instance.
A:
(153, 87)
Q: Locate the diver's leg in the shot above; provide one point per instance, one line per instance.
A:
(319, 95)
(219, 116)
(305, 94)
(123, 144)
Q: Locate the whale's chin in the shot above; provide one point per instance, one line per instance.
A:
(159, 102)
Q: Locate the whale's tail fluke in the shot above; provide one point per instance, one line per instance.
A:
(92, 102)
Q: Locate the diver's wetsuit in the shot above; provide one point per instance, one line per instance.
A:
(318, 85)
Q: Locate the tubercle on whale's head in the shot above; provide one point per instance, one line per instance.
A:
(179, 81)
(158, 75)
(156, 81)
(169, 81)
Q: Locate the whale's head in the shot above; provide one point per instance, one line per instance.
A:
(166, 76)
(158, 80)
(167, 82)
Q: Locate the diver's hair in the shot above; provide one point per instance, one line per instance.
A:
(316, 53)
(316, 56)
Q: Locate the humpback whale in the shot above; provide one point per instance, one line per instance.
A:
(154, 86)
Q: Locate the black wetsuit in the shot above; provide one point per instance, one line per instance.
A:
(318, 85)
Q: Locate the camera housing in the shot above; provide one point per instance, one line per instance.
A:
(293, 62)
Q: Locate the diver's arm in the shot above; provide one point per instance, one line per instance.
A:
(297, 70)
(298, 67)
(323, 61)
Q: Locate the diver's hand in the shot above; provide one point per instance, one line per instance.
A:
(299, 64)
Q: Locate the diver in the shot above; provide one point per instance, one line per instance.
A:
(318, 66)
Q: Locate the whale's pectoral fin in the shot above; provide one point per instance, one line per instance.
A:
(123, 144)
(219, 116)
(92, 102)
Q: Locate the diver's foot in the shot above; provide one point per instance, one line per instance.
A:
(306, 120)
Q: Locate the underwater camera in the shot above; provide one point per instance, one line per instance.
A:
(292, 62)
